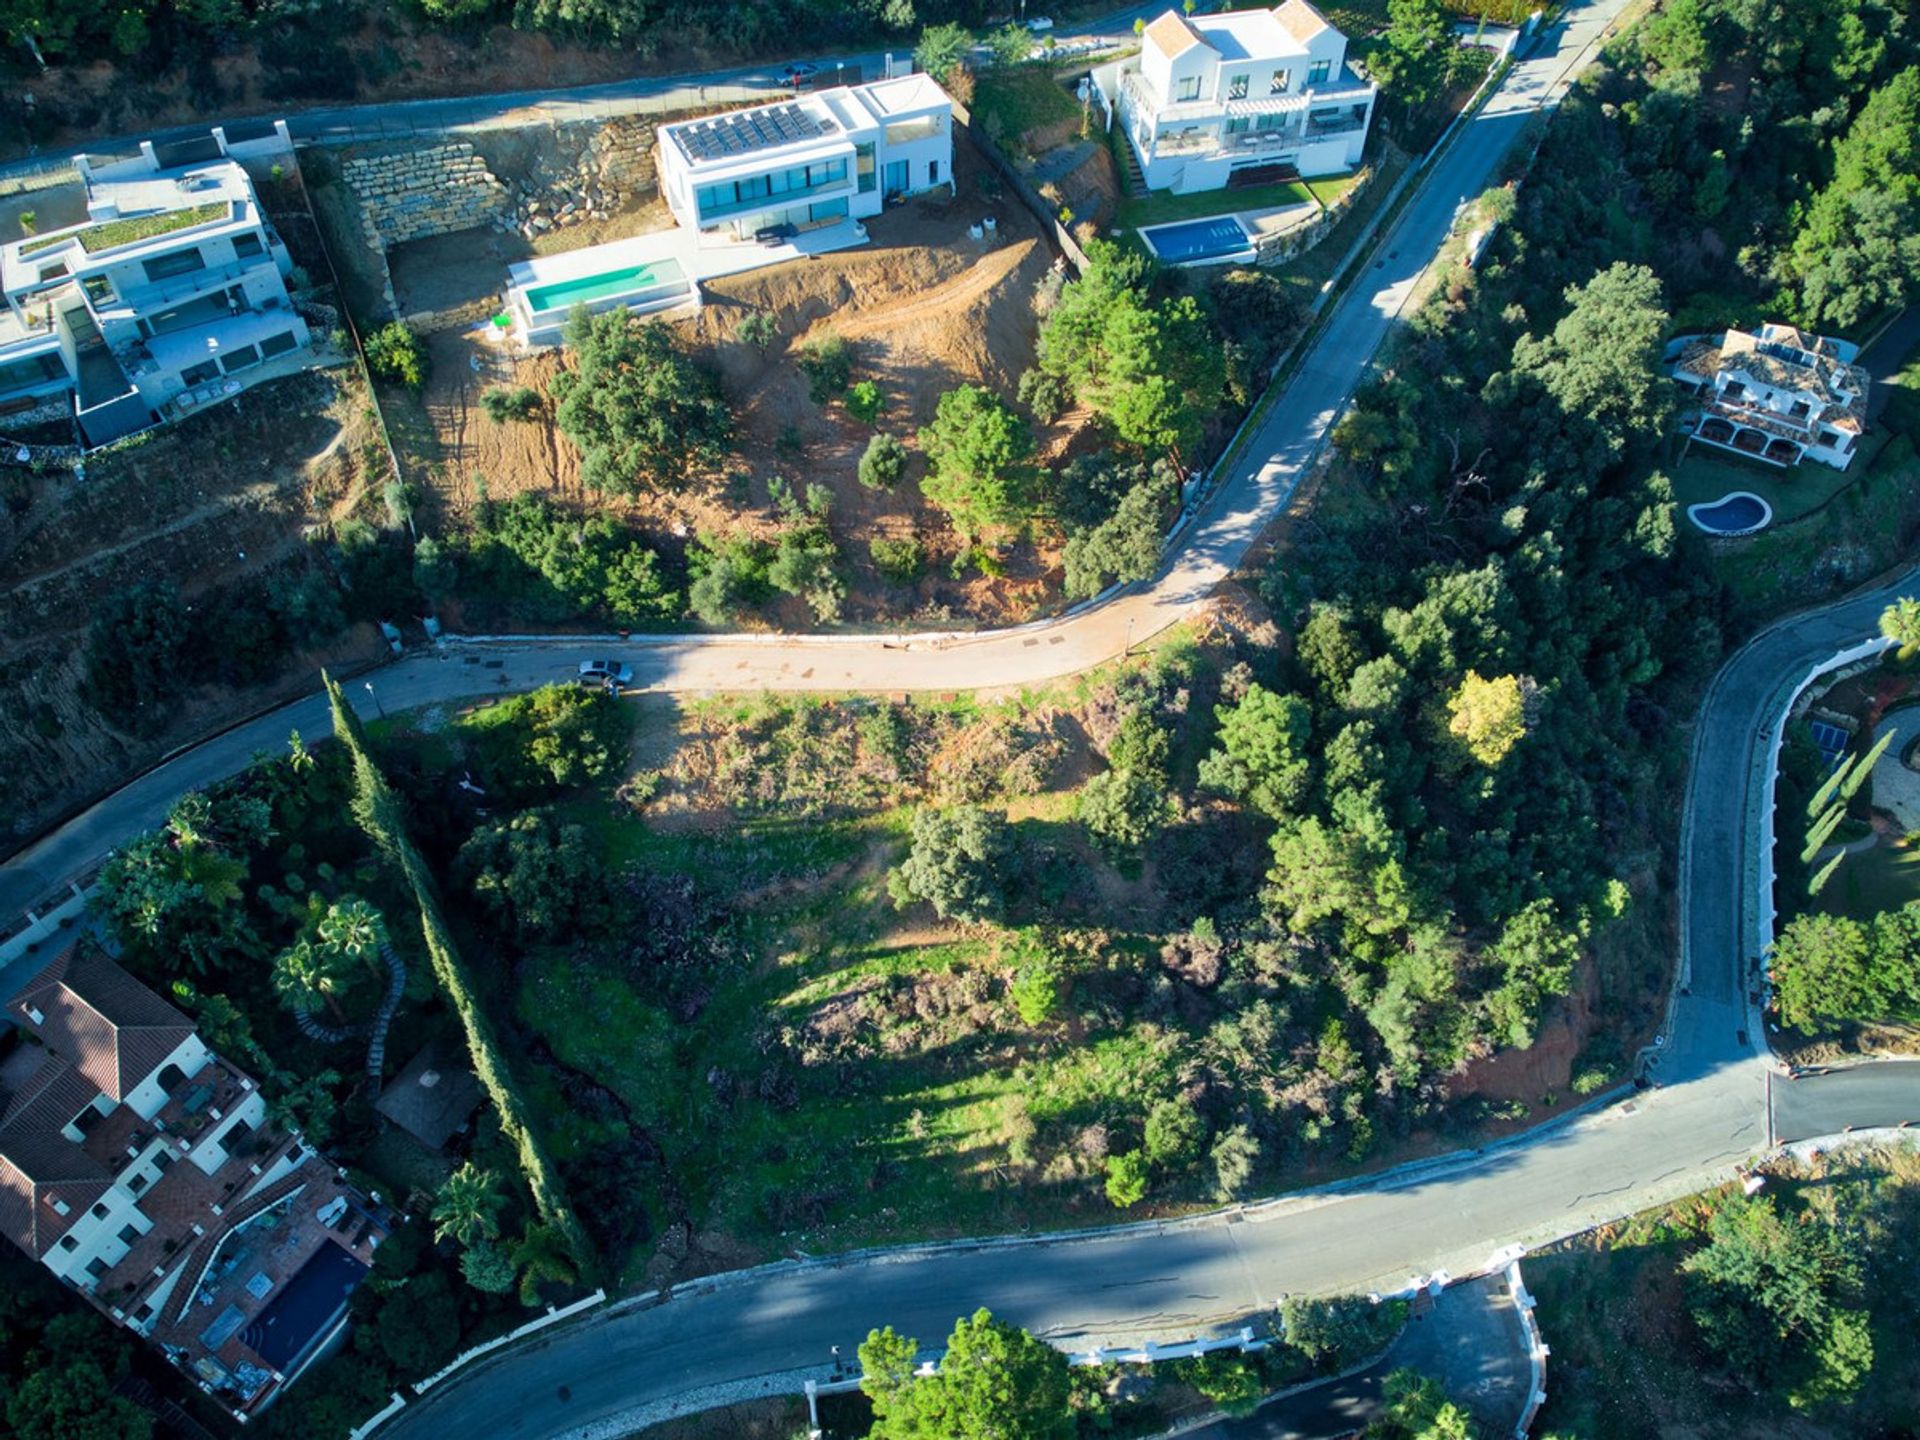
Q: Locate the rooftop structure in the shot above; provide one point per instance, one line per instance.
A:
(432, 1097)
(1780, 395)
(1240, 98)
(173, 284)
(143, 1171)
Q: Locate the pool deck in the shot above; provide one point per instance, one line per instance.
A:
(699, 257)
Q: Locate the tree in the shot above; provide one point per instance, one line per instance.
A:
(1337, 1331)
(419, 1324)
(865, 401)
(955, 863)
(1232, 1382)
(995, 1382)
(1415, 53)
(1834, 967)
(536, 875)
(1536, 955)
(487, 1268)
(136, 646)
(1418, 1409)
(1260, 753)
(305, 1103)
(807, 563)
(942, 49)
(543, 1258)
(354, 929)
(1235, 1156)
(468, 1207)
(882, 463)
(641, 412)
(828, 365)
(1489, 717)
(501, 404)
(396, 354)
(1126, 1179)
(1172, 1135)
(1122, 809)
(307, 976)
(1779, 1298)
(979, 454)
(554, 737)
(73, 1401)
(1119, 550)
(1900, 623)
(636, 592)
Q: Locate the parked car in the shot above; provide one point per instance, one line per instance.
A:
(775, 234)
(798, 73)
(599, 672)
(1040, 24)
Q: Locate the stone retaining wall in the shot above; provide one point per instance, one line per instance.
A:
(596, 168)
(1279, 249)
(456, 317)
(429, 190)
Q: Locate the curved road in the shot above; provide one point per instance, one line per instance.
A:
(722, 1338)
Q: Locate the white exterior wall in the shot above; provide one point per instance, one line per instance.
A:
(917, 155)
(210, 1151)
(97, 1237)
(147, 1098)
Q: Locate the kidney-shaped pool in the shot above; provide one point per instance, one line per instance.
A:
(1741, 513)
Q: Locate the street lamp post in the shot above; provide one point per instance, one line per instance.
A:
(379, 709)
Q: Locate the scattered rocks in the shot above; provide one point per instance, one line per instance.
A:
(594, 169)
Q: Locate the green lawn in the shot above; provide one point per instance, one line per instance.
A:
(1161, 207)
(1874, 881)
(1329, 188)
(1009, 103)
(1704, 475)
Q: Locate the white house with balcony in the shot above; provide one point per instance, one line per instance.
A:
(1779, 395)
(157, 303)
(1242, 98)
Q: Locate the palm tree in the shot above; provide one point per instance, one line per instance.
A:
(468, 1209)
(543, 1257)
(307, 976)
(354, 930)
(1900, 623)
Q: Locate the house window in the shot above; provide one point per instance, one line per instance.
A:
(933, 172)
(1800, 410)
(863, 165)
(69, 1244)
(180, 262)
(1830, 439)
(36, 370)
(129, 1233)
(137, 1184)
(99, 1212)
(1237, 88)
(247, 246)
(54, 271)
(162, 1160)
(240, 357)
(1282, 79)
(172, 1077)
(276, 345)
(199, 375)
(1189, 89)
(1318, 71)
(1239, 124)
(1733, 390)
(1272, 122)
(97, 1267)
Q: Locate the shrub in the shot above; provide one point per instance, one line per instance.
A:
(1126, 1179)
(807, 564)
(981, 457)
(828, 365)
(1035, 992)
(1231, 1382)
(757, 330)
(865, 401)
(899, 561)
(642, 413)
(396, 354)
(501, 404)
(883, 463)
(1046, 396)
(956, 863)
(728, 576)
(1121, 809)
(1173, 1135)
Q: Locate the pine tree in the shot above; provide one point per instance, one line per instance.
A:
(1825, 873)
(1830, 786)
(1822, 828)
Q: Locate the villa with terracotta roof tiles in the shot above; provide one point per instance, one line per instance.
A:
(1780, 396)
(142, 1170)
(1242, 98)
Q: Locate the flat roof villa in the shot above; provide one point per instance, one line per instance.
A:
(1241, 98)
(154, 305)
(751, 188)
(143, 1171)
(1779, 396)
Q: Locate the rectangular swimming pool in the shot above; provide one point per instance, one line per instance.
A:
(305, 1308)
(630, 280)
(1216, 237)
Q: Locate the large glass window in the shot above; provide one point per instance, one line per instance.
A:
(1237, 88)
(196, 375)
(1282, 80)
(178, 262)
(726, 197)
(35, 370)
(247, 246)
(1318, 71)
(240, 357)
(905, 132)
(1189, 90)
(863, 166)
(276, 344)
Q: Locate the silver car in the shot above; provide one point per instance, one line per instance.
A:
(599, 672)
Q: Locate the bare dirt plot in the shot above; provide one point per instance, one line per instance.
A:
(926, 308)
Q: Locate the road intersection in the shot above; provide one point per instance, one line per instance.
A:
(756, 1331)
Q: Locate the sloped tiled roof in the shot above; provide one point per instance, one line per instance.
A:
(1300, 20)
(39, 1165)
(1171, 35)
(95, 1015)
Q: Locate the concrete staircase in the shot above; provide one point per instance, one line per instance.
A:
(1133, 180)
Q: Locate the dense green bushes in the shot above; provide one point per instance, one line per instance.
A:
(535, 558)
(643, 414)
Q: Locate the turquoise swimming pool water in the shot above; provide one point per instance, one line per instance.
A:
(632, 278)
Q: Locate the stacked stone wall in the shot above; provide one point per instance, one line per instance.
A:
(427, 190)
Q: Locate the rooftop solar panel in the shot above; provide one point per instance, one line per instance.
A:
(745, 131)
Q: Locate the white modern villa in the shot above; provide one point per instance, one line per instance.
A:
(1781, 395)
(173, 284)
(750, 188)
(1241, 98)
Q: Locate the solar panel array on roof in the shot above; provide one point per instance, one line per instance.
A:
(746, 131)
(1790, 354)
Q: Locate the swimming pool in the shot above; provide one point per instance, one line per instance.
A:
(630, 279)
(305, 1308)
(1738, 513)
(1188, 242)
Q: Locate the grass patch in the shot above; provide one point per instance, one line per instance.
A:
(112, 233)
(1874, 881)
(1161, 207)
(1329, 188)
(1011, 103)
